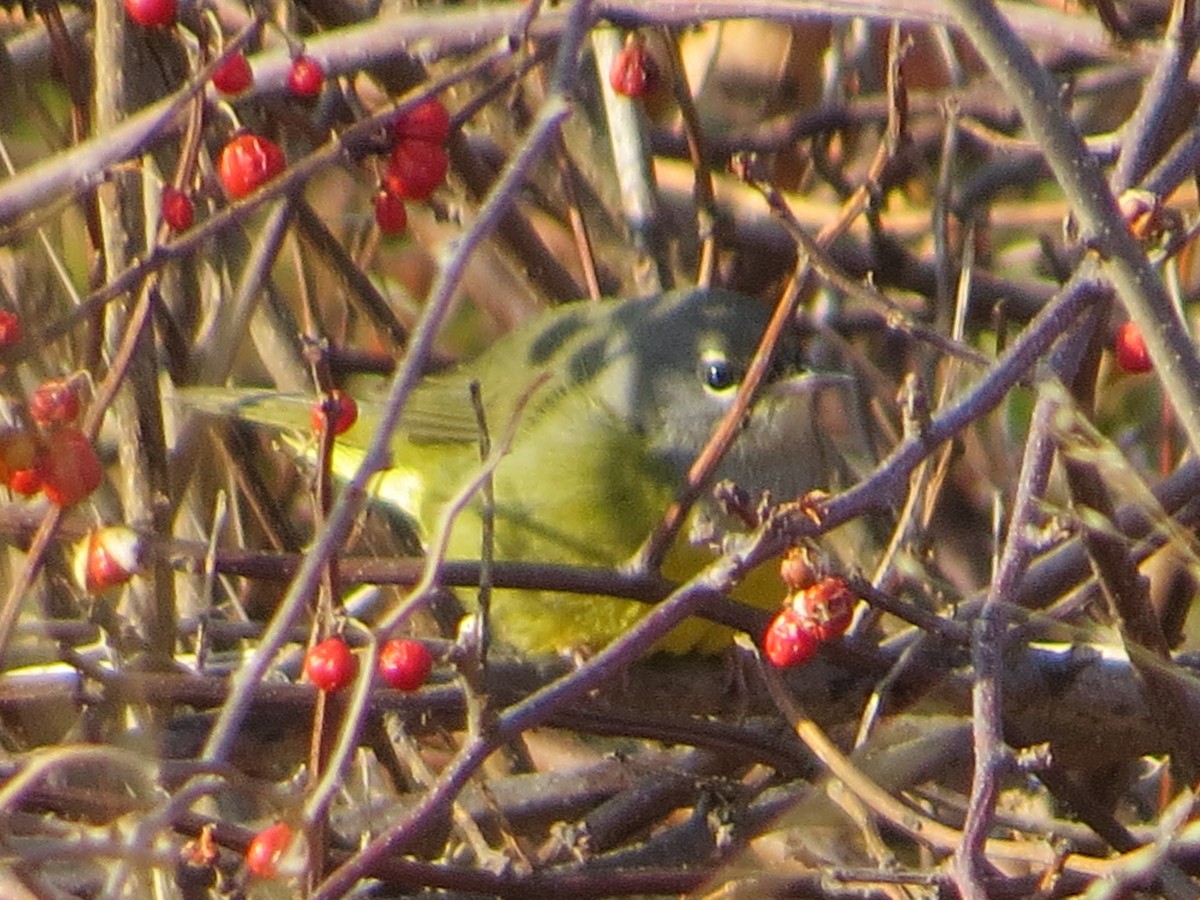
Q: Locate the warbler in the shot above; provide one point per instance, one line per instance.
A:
(616, 398)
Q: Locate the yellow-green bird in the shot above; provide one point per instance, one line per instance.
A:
(631, 392)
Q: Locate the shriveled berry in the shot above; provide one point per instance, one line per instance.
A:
(337, 406)
(234, 75)
(306, 77)
(20, 461)
(827, 606)
(427, 122)
(390, 214)
(196, 864)
(1130, 349)
(789, 640)
(405, 664)
(1142, 211)
(266, 849)
(415, 169)
(248, 162)
(796, 569)
(10, 328)
(330, 665)
(152, 13)
(54, 402)
(633, 72)
(71, 469)
(177, 209)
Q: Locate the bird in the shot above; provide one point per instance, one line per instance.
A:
(614, 398)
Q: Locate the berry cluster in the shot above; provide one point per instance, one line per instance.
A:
(818, 610)
(331, 666)
(248, 160)
(54, 457)
(417, 164)
(404, 664)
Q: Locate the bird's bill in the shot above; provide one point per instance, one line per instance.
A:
(810, 383)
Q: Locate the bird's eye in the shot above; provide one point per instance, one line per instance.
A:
(719, 374)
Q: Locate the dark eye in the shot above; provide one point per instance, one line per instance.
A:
(720, 374)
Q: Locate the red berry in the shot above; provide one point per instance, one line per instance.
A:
(54, 402)
(177, 209)
(633, 72)
(247, 162)
(330, 665)
(427, 122)
(306, 77)
(405, 664)
(71, 470)
(107, 557)
(1130, 348)
(10, 328)
(826, 607)
(390, 214)
(233, 75)
(151, 13)
(338, 406)
(415, 169)
(789, 641)
(266, 848)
